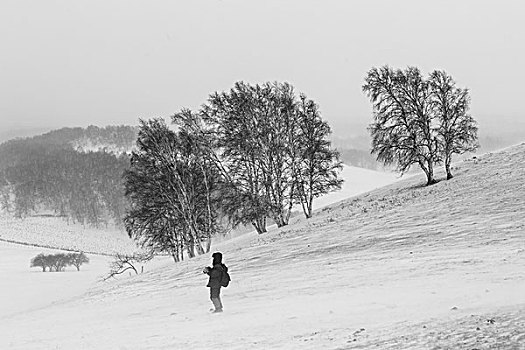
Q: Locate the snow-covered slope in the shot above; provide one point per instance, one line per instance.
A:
(357, 181)
(53, 232)
(23, 289)
(401, 267)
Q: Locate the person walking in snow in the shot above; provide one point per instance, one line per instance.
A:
(216, 272)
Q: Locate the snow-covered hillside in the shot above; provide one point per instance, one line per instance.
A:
(357, 181)
(24, 289)
(400, 267)
(53, 232)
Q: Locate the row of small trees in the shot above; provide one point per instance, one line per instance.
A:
(58, 262)
(248, 155)
(419, 120)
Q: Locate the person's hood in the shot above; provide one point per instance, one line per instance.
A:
(217, 258)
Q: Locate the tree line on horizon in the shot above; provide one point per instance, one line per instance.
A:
(248, 155)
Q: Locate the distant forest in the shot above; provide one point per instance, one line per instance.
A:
(74, 173)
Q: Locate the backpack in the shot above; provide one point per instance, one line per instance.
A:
(225, 278)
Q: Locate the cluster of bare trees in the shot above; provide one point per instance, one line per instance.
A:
(247, 155)
(58, 262)
(274, 150)
(419, 120)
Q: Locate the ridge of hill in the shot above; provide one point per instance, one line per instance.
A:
(116, 138)
(404, 266)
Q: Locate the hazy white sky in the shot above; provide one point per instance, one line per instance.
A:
(75, 63)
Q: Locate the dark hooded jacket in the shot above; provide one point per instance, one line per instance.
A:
(216, 271)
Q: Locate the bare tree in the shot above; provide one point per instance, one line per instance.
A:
(125, 262)
(318, 164)
(58, 261)
(273, 149)
(402, 131)
(40, 261)
(169, 186)
(237, 120)
(457, 130)
(199, 147)
(78, 259)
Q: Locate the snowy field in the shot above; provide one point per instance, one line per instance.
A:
(357, 181)
(51, 232)
(400, 267)
(25, 288)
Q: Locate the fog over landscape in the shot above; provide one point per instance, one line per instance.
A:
(66, 64)
(357, 164)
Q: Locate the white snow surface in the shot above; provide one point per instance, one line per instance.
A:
(47, 231)
(401, 267)
(357, 181)
(25, 289)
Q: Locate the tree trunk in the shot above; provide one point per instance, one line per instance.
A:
(290, 203)
(448, 160)
(191, 249)
(208, 245)
(303, 197)
(304, 205)
(279, 220)
(430, 173)
(199, 248)
(260, 225)
(310, 205)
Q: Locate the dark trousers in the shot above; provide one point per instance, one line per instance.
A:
(215, 296)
